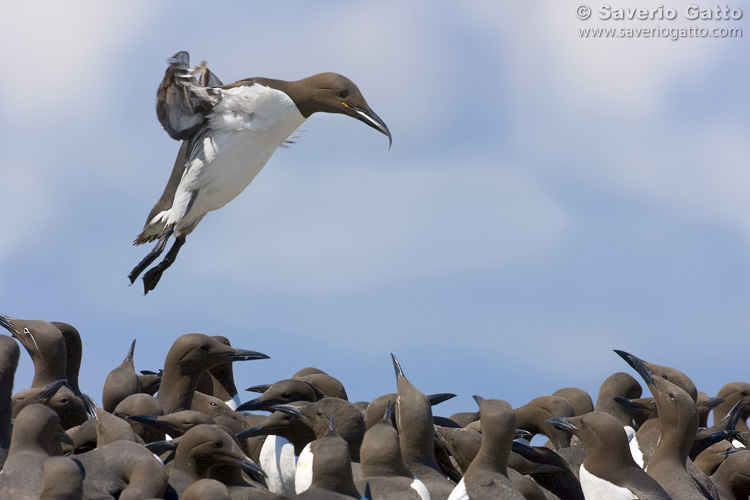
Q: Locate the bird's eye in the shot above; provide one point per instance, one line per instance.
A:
(344, 94)
(26, 331)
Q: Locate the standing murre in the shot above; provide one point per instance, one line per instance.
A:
(229, 132)
(609, 471)
(670, 464)
(487, 476)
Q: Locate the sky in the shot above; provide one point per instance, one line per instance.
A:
(548, 197)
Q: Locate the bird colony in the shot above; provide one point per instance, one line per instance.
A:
(181, 432)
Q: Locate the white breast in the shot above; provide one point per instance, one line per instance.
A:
(279, 463)
(304, 476)
(246, 127)
(420, 488)
(635, 451)
(459, 492)
(596, 488)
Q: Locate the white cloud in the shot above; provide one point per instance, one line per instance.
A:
(619, 77)
(60, 54)
(618, 112)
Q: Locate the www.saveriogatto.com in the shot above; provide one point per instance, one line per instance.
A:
(690, 21)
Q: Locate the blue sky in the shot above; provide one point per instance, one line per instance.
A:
(548, 198)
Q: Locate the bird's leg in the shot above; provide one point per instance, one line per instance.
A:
(152, 255)
(151, 278)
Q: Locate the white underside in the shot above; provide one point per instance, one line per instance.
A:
(304, 475)
(459, 492)
(636, 452)
(596, 488)
(234, 402)
(420, 488)
(279, 463)
(629, 432)
(246, 128)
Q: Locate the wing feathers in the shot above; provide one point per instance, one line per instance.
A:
(182, 102)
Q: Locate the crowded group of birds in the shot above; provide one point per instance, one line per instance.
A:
(180, 432)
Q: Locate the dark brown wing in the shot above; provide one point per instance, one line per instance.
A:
(182, 102)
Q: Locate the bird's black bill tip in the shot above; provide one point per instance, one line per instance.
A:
(6, 323)
(629, 404)
(289, 410)
(159, 447)
(523, 434)
(257, 431)
(254, 405)
(131, 351)
(369, 117)
(436, 399)
(251, 468)
(65, 438)
(260, 388)
(562, 424)
(397, 366)
(50, 391)
(640, 366)
(246, 355)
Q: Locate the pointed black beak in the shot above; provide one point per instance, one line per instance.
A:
(397, 367)
(88, 403)
(562, 424)
(259, 388)
(629, 404)
(711, 403)
(388, 411)
(523, 434)
(50, 391)
(478, 399)
(289, 410)
(64, 437)
(160, 447)
(131, 351)
(369, 117)
(255, 431)
(436, 399)
(639, 366)
(255, 405)
(735, 414)
(244, 355)
(5, 323)
(154, 422)
(251, 468)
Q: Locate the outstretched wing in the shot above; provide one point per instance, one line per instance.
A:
(182, 101)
